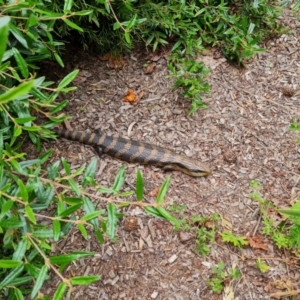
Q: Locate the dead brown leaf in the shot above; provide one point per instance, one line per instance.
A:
(138, 97)
(149, 69)
(154, 192)
(257, 243)
(114, 62)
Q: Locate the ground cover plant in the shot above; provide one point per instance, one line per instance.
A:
(29, 34)
(237, 28)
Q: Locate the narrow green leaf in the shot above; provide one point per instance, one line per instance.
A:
(73, 200)
(68, 5)
(79, 171)
(168, 216)
(39, 281)
(53, 170)
(45, 156)
(132, 22)
(119, 180)
(17, 166)
(68, 258)
(290, 212)
(21, 63)
(82, 230)
(20, 250)
(58, 59)
(4, 21)
(125, 194)
(99, 236)
(17, 131)
(72, 25)
(74, 186)
(23, 191)
(251, 28)
(6, 206)
(84, 280)
(30, 214)
(4, 66)
(176, 45)
(139, 189)
(24, 120)
(11, 276)
(60, 291)
(105, 190)
(116, 26)
(12, 223)
(7, 54)
(56, 230)
(163, 190)
(44, 233)
(89, 208)
(18, 34)
(32, 21)
(18, 294)
(39, 95)
(112, 220)
(21, 281)
(70, 210)
(93, 215)
(153, 211)
(67, 79)
(66, 166)
(83, 13)
(127, 37)
(89, 172)
(59, 107)
(9, 264)
(16, 92)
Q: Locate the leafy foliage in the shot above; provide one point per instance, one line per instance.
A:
(219, 275)
(28, 191)
(286, 233)
(27, 238)
(237, 28)
(237, 241)
(262, 266)
(205, 233)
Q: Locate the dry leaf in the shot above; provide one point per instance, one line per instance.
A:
(149, 69)
(138, 97)
(114, 61)
(154, 192)
(226, 224)
(228, 292)
(130, 97)
(256, 243)
(279, 295)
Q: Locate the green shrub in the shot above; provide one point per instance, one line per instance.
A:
(236, 27)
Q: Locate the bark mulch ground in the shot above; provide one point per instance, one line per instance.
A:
(243, 135)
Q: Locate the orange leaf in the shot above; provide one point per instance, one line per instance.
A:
(130, 97)
(154, 192)
(116, 63)
(256, 242)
